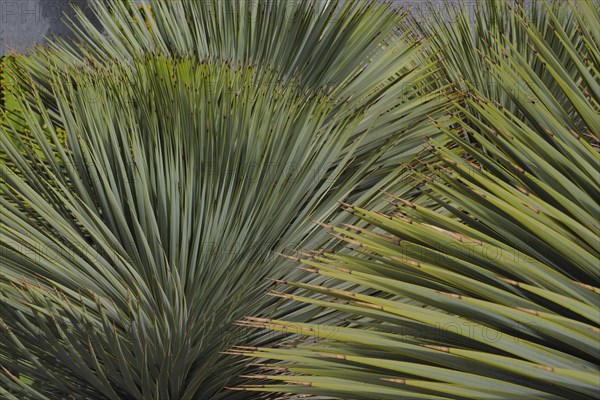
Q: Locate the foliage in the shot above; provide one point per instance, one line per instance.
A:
(130, 246)
(149, 175)
(494, 294)
(7, 102)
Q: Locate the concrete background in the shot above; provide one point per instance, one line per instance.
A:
(24, 23)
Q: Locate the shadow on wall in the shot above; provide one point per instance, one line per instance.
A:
(24, 23)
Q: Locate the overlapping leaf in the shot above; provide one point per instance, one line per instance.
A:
(497, 296)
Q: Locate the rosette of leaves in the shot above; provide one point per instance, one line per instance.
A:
(493, 293)
(130, 247)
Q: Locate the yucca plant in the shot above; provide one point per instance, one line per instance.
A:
(189, 158)
(473, 36)
(6, 101)
(493, 293)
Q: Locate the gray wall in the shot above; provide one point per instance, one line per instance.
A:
(26, 22)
